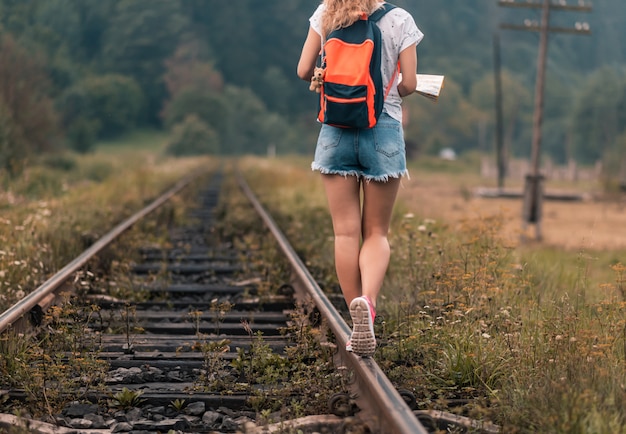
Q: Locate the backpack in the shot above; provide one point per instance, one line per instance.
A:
(352, 94)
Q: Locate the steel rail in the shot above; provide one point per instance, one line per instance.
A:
(380, 394)
(22, 307)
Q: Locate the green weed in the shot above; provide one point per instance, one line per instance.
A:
(59, 364)
(126, 399)
(178, 404)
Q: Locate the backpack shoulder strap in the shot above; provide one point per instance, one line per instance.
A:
(380, 12)
(375, 17)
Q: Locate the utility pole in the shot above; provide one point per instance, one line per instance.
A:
(533, 188)
(500, 154)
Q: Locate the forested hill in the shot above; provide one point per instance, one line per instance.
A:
(458, 39)
(225, 72)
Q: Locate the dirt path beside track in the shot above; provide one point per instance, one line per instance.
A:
(586, 225)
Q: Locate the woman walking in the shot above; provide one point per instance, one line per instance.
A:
(361, 168)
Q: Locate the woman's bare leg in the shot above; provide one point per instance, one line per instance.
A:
(344, 202)
(378, 201)
(360, 268)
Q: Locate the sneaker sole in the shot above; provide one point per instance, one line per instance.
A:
(363, 339)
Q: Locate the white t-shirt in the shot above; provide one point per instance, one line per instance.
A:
(398, 31)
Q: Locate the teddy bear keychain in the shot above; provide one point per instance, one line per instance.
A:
(317, 80)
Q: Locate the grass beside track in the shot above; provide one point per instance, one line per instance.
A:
(61, 205)
(531, 337)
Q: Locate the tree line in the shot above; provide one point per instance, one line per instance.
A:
(220, 77)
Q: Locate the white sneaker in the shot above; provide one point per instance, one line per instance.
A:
(363, 341)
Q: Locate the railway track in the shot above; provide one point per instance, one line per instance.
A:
(200, 341)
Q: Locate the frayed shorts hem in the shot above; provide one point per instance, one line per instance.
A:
(356, 173)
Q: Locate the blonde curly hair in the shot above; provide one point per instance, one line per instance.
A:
(342, 13)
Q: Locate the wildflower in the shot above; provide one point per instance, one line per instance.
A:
(486, 335)
(619, 267)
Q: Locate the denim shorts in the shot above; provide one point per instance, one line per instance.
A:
(375, 154)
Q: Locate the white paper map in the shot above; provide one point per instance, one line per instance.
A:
(429, 85)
